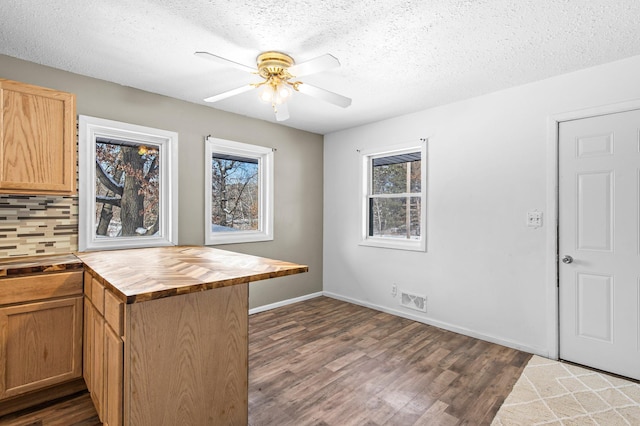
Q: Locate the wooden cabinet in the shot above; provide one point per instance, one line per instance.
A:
(175, 347)
(40, 332)
(37, 140)
(103, 351)
(176, 360)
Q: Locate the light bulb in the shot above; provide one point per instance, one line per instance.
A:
(284, 91)
(281, 94)
(266, 94)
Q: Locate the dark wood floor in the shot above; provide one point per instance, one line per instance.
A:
(327, 362)
(76, 410)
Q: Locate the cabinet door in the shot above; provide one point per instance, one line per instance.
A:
(87, 348)
(97, 363)
(37, 140)
(113, 363)
(40, 345)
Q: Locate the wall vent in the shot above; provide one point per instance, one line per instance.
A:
(413, 301)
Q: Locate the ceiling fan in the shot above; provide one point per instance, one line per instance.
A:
(280, 72)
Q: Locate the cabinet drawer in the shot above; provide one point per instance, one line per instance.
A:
(87, 284)
(113, 312)
(38, 287)
(97, 295)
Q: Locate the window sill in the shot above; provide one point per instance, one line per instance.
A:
(396, 245)
(248, 237)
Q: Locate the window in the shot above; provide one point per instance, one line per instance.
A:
(238, 192)
(128, 185)
(394, 196)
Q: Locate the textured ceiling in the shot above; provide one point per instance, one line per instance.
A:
(397, 56)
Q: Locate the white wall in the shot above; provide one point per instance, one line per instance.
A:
(485, 273)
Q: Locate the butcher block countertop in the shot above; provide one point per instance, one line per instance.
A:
(138, 275)
(28, 265)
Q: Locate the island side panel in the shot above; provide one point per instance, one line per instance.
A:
(186, 359)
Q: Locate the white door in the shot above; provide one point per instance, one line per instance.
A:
(599, 249)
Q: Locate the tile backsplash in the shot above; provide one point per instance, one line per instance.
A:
(36, 225)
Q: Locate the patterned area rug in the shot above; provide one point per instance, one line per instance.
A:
(555, 393)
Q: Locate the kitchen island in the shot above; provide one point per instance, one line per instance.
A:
(166, 333)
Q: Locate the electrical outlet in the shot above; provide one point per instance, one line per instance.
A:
(394, 290)
(534, 219)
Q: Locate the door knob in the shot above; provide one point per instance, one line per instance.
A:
(567, 259)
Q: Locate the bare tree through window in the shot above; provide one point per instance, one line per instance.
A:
(234, 193)
(127, 188)
(238, 192)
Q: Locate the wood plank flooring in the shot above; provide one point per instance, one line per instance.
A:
(325, 362)
(75, 410)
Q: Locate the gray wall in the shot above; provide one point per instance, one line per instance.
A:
(298, 167)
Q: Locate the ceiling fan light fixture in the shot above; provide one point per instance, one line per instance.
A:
(274, 92)
(276, 88)
(279, 73)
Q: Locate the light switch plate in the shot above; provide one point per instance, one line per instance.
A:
(534, 219)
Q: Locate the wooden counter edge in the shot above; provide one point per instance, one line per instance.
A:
(30, 265)
(159, 294)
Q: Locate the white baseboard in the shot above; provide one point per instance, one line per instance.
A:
(284, 303)
(446, 326)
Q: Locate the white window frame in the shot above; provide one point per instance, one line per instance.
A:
(265, 157)
(92, 128)
(366, 190)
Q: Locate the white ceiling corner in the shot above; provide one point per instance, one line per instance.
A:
(397, 56)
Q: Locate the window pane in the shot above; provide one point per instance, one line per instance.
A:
(414, 214)
(393, 218)
(234, 194)
(415, 176)
(127, 189)
(390, 179)
(390, 175)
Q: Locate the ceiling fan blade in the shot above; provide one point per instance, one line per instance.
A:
(229, 93)
(325, 95)
(282, 112)
(312, 66)
(223, 61)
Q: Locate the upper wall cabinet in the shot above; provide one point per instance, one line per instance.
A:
(37, 140)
